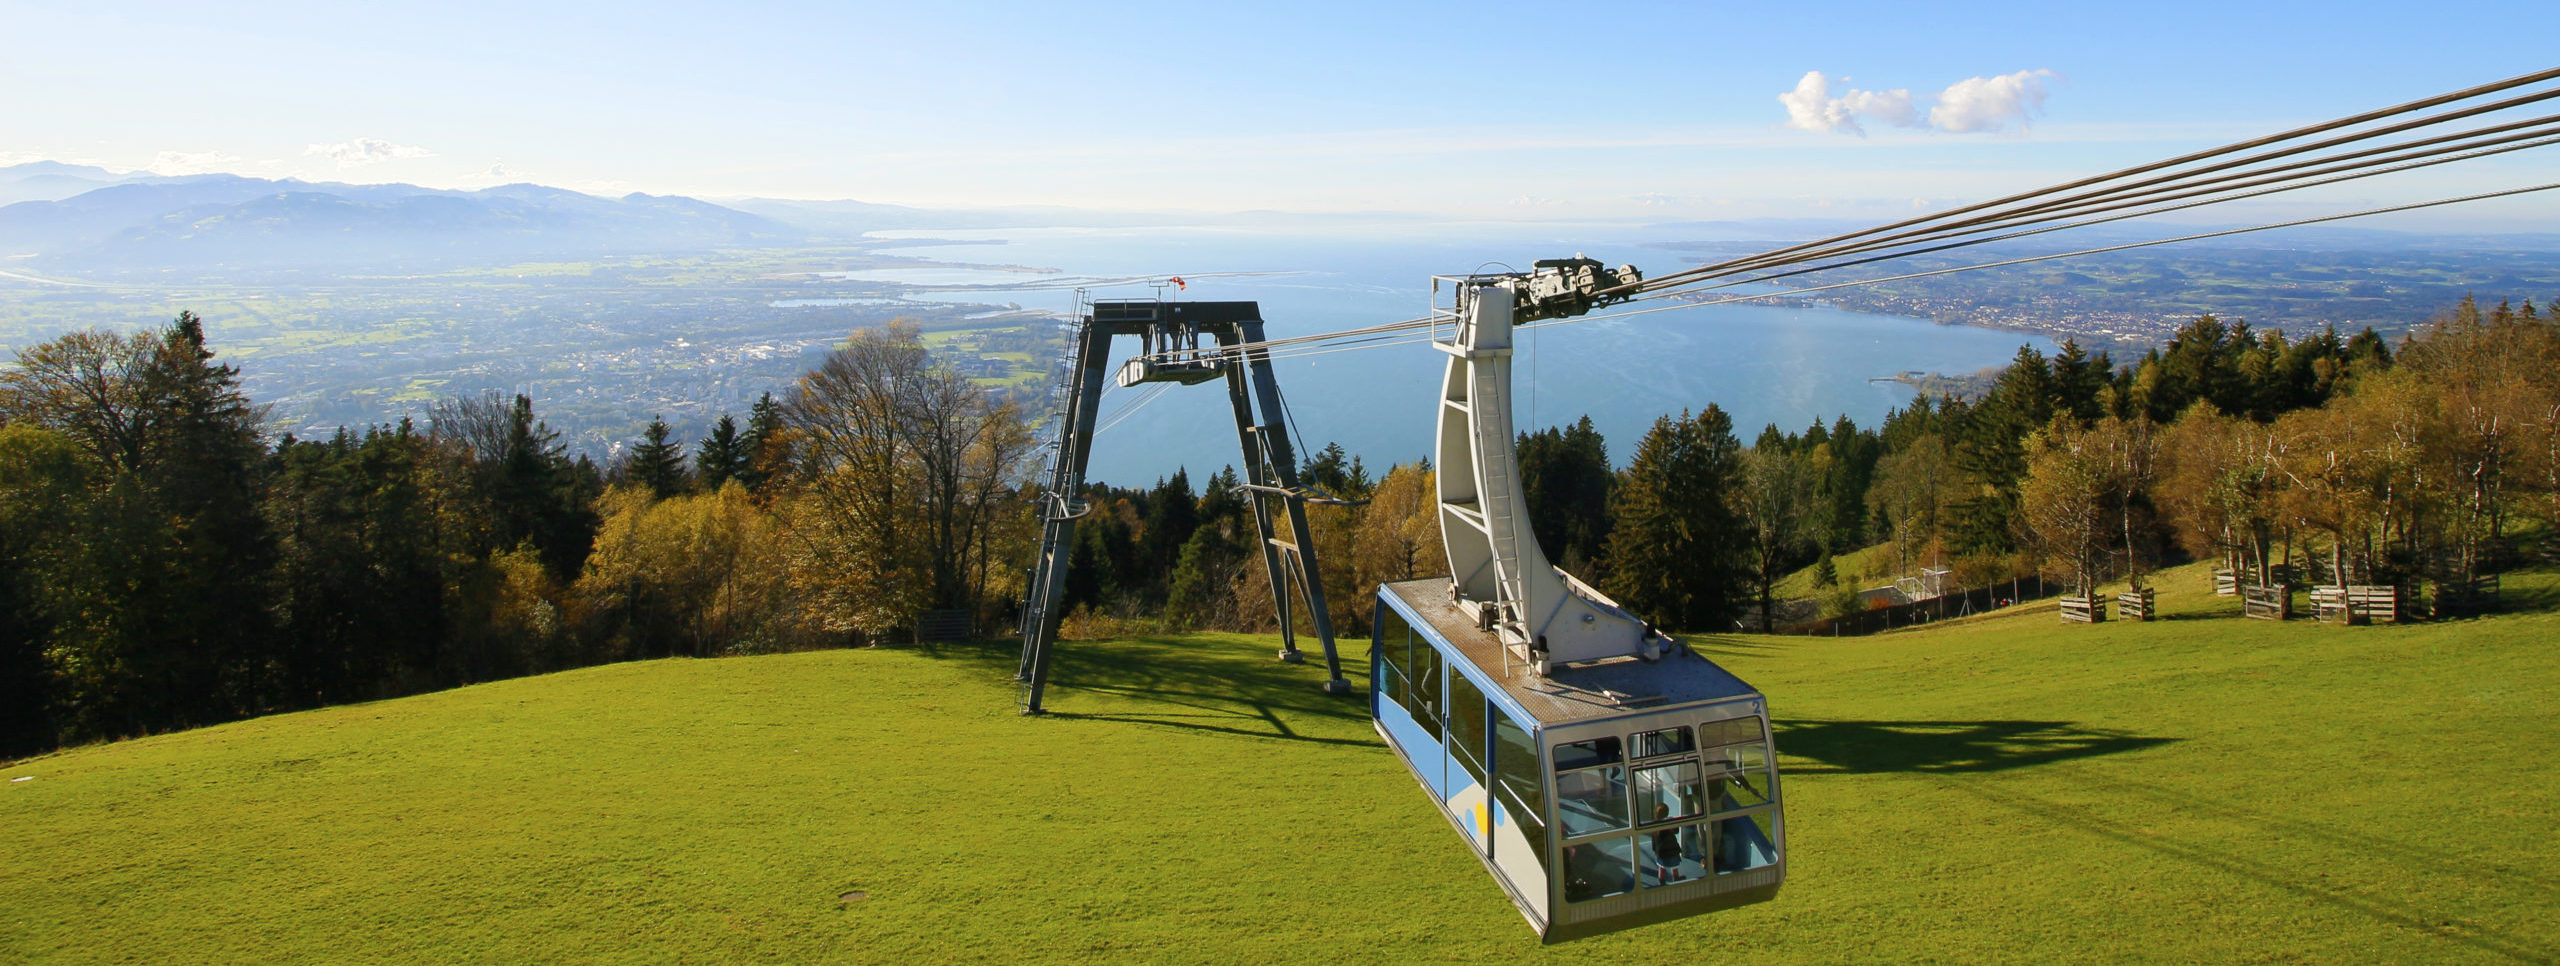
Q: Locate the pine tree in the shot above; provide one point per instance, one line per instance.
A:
(722, 457)
(1329, 470)
(1676, 553)
(1843, 484)
(658, 462)
(1565, 477)
(360, 575)
(2079, 379)
(763, 447)
(1173, 513)
(1989, 446)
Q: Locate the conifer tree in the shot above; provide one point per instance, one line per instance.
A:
(763, 447)
(1565, 477)
(1990, 448)
(1675, 555)
(722, 456)
(1173, 512)
(658, 462)
(360, 575)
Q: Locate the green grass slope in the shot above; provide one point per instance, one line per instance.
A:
(2005, 789)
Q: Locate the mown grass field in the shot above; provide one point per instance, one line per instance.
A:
(2006, 789)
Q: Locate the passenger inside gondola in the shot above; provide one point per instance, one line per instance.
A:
(1666, 849)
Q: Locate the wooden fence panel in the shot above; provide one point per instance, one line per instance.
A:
(2136, 605)
(2267, 603)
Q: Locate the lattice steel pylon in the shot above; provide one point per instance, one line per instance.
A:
(1171, 334)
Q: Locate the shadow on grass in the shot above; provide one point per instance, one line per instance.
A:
(1712, 644)
(1875, 747)
(2527, 590)
(1213, 686)
(2183, 616)
(2398, 849)
(2216, 857)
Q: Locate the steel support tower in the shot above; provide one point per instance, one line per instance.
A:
(1171, 334)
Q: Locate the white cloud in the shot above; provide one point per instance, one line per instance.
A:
(1972, 105)
(364, 151)
(1811, 107)
(191, 162)
(1990, 103)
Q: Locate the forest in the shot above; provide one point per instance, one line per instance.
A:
(165, 564)
(2347, 459)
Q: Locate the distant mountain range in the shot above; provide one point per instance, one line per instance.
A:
(81, 218)
(53, 181)
(99, 219)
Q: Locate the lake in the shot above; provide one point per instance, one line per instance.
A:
(1788, 364)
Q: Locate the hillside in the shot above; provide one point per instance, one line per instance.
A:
(1999, 789)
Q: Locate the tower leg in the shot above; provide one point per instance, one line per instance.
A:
(1048, 588)
(1280, 464)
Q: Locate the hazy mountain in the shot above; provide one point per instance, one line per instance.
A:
(225, 221)
(93, 217)
(52, 180)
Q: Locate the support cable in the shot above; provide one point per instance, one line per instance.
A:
(2209, 154)
(2543, 132)
(2303, 174)
(2546, 138)
(2088, 201)
(2050, 257)
(1144, 398)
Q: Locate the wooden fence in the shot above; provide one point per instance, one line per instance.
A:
(2227, 583)
(2359, 603)
(2267, 603)
(2136, 605)
(2083, 610)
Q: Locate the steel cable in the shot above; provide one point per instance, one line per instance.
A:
(2206, 155)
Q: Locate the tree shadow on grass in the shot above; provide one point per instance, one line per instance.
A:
(1203, 685)
(2301, 883)
(2414, 853)
(2196, 615)
(2521, 593)
(1877, 747)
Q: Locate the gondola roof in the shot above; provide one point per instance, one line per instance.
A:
(1605, 689)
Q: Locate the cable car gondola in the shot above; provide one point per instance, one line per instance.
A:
(1607, 777)
(1601, 797)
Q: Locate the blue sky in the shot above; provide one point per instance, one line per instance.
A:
(1506, 111)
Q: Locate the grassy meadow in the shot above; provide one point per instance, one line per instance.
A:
(1997, 789)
